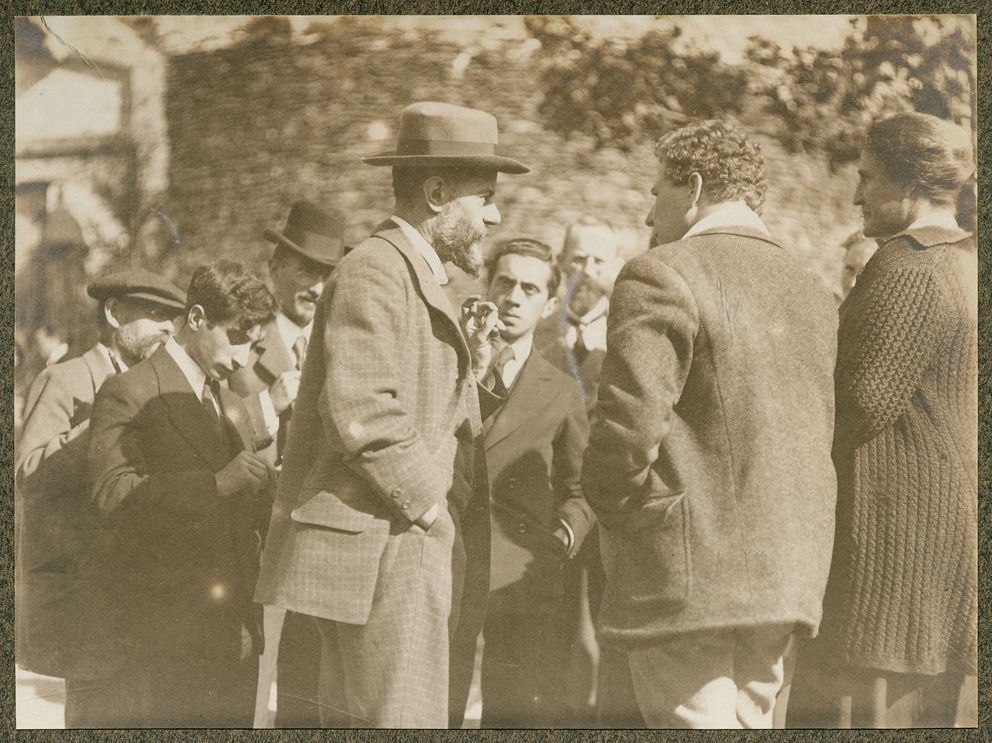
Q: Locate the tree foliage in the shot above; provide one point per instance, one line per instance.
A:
(623, 91)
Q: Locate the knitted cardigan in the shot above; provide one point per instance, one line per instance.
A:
(902, 595)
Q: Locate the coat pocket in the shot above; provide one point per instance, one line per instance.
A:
(649, 560)
(323, 508)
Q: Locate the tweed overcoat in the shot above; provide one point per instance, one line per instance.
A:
(56, 524)
(269, 358)
(183, 562)
(386, 424)
(709, 465)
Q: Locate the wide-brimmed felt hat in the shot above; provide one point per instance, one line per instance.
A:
(447, 135)
(140, 284)
(313, 233)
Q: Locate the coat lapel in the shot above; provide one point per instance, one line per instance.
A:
(274, 357)
(99, 367)
(533, 391)
(185, 412)
(431, 291)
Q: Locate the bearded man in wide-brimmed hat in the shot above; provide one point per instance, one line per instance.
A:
(382, 513)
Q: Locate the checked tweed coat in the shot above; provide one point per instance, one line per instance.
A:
(386, 424)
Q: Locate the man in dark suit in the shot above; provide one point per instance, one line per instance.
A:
(306, 252)
(709, 460)
(382, 514)
(172, 470)
(534, 447)
(56, 525)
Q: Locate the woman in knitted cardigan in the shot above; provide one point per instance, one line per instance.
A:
(899, 631)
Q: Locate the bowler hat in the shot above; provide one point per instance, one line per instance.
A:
(446, 135)
(313, 233)
(140, 284)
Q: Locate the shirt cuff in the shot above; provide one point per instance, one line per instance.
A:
(570, 534)
(268, 413)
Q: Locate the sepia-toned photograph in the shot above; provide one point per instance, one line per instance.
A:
(496, 372)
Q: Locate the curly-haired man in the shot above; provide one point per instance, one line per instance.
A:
(709, 461)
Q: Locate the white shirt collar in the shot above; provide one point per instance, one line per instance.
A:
(289, 331)
(190, 369)
(522, 348)
(729, 214)
(424, 248)
(940, 218)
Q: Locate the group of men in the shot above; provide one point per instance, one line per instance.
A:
(392, 476)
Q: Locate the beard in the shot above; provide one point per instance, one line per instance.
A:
(457, 240)
(135, 346)
(584, 293)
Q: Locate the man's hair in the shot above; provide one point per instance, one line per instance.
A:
(530, 248)
(731, 167)
(408, 181)
(228, 291)
(930, 154)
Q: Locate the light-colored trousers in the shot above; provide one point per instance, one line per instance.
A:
(722, 679)
(392, 671)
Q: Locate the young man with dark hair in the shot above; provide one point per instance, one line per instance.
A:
(534, 447)
(172, 470)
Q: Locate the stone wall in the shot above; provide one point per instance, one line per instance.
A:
(255, 126)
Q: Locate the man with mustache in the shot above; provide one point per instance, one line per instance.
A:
(56, 525)
(306, 252)
(382, 513)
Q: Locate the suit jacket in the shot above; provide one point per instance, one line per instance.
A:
(387, 424)
(269, 358)
(549, 340)
(184, 561)
(534, 448)
(709, 465)
(55, 523)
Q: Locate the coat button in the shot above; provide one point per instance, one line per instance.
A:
(405, 505)
(511, 483)
(522, 528)
(397, 492)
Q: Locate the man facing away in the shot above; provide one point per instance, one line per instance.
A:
(534, 447)
(172, 471)
(382, 513)
(709, 462)
(305, 253)
(57, 527)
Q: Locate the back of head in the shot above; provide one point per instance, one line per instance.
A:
(732, 168)
(933, 156)
(229, 292)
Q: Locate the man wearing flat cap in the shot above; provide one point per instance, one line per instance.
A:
(56, 526)
(305, 253)
(382, 516)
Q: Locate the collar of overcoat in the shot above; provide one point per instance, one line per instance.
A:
(187, 414)
(427, 285)
(98, 365)
(534, 389)
(739, 232)
(273, 356)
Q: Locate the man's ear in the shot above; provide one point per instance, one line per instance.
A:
(111, 308)
(696, 189)
(435, 193)
(550, 308)
(196, 318)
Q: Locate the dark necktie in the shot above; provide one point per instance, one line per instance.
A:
(579, 349)
(503, 357)
(210, 394)
(300, 350)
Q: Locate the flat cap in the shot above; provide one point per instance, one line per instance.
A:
(138, 283)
